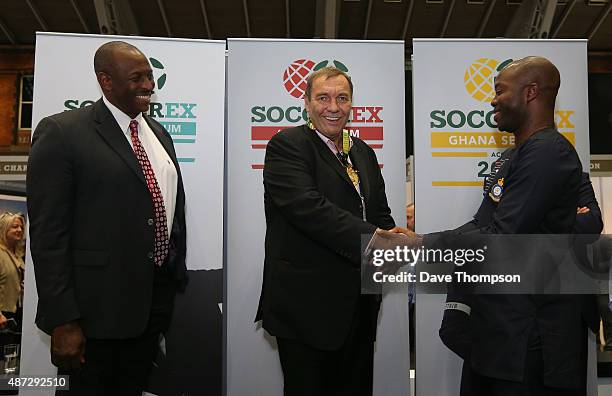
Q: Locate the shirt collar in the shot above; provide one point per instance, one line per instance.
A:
(122, 119)
(330, 143)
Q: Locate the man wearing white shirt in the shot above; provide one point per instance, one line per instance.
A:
(107, 228)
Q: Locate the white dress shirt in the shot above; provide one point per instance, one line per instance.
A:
(163, 167)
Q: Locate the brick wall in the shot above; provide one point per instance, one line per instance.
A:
(13, 64)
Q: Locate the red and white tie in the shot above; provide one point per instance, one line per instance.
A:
(160, 250)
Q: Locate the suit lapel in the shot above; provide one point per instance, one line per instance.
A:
(107, 127)
(360, 162)
(328, 156)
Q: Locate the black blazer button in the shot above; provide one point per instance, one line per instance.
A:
(150, 255)
(150, 222)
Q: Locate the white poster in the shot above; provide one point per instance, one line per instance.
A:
(266, 82)
(455, 142)
(188, 101)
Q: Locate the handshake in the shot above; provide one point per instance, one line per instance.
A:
(397, 236)
(391, 240)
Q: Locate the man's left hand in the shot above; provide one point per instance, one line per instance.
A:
(402, 230)
(393, 238)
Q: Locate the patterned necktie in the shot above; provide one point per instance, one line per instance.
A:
(160, 250)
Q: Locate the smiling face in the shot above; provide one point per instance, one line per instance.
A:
(329, 105)
(14, 233)
(130, 83)
(510, 101)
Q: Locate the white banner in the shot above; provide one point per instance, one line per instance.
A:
(266, 81)
(455, 142)
(188, 101)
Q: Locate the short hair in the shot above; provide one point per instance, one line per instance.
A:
(6, 220)
(326, 72)
(103, 59)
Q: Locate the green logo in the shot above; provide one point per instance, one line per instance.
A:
(337, 64)
(161, 81)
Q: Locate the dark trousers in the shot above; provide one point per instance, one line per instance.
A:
(474, 384)
(606, 317)
(122, 367)
(308, 371)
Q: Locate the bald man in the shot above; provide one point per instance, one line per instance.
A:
(525, 344)
(107, 229)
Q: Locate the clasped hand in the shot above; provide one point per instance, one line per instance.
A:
(392, 239)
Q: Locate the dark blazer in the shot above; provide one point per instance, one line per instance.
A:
(591, 225)
(91, 224)
(590, 222)
(455, 328)
(541, 185)
(311, 282)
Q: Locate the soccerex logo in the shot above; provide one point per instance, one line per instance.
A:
(158, 67)
(479, 78)
(294, 78)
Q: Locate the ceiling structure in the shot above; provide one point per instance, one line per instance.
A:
(342, 19)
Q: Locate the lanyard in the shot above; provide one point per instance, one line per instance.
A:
(343, 157)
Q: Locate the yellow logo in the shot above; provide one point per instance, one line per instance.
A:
(479, 79)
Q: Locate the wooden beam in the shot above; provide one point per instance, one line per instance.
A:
(407, 19)
(367, 20)
(447, 19)
(566, 11)
(246, 17)
(77, 11)
(7, 32)
(205, 16)
(162, 10)
(116, 17)
(485, 19)
(37, 15)
(600, 19)
(327, 13)
(287, 18)
(547, 12)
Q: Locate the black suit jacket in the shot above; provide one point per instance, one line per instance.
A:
(589, 224)
(311, 282)
(455, 328)
(91, 224)
(541, 185)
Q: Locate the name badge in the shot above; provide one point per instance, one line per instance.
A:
(497, 190)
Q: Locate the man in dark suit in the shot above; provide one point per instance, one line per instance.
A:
(323, 191)
(107, 229)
